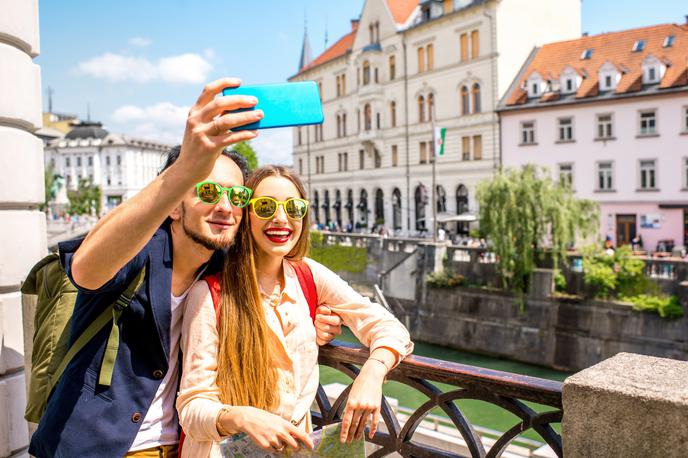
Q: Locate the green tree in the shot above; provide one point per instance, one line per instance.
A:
(246, 150)
(51, 181)
(85, 199)
(522, 212)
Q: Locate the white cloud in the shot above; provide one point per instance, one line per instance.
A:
(274, 146)
(162, 122)
(184, 68)
(140, 42)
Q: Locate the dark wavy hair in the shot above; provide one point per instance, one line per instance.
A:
(172, 155)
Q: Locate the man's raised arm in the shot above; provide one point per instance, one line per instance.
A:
(123, 232)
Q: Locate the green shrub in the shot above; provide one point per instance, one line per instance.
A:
(336, 257)
(664, 306)
(617, 274)
(559, 281)
(444, 279)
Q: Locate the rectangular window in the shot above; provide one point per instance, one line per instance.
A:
(344, 125)
(464, 47)
(528, 133)
(395, 156)
(90, 161)
(477, 147)
(300, 166)
(78, 161)
(343, 84)
(68, 162)
(346, 161)
(648, 122)
(339, 162)
(685, 119)
(431, 57)
(566, 174)
(605, 176)
(648, 174)
(466, 148)
(119, 160)
(605, 127)
(361, 159)
(685, 173)
(423, 153)
(421, 60)
(565, 129)
(392, 68)
(475, 44)
(107, 160)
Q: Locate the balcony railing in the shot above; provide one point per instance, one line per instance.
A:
(502, 389)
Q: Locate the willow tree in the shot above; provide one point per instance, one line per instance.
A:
(523, 213)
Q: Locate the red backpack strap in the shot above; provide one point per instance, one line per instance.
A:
(213, 282)
(305, 276)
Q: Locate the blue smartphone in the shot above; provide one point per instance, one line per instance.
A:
(283, 104)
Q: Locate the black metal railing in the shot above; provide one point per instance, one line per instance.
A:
(502, 389)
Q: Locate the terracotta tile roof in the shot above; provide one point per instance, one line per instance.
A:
(341, 47)
(401, 9)
(616, 48)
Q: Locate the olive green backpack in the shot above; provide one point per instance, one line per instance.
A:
(55, 297)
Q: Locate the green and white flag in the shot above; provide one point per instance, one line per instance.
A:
(439, 140)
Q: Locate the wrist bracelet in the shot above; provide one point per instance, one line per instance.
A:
(380, 361)
(218, 422)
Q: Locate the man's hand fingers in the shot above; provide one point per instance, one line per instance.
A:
(222, 124)
(332, 320)
(212, 89)
(323, 310)
(235, 137)
(228, 103)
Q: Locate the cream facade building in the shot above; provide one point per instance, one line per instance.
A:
(405, 68)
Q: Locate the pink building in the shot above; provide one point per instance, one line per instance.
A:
(609, 115)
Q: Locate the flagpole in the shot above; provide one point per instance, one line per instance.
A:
(434, 190)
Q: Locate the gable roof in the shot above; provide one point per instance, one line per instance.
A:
(616, 48)
(401, 10)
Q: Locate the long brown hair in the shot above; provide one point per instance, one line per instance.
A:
(246, 373)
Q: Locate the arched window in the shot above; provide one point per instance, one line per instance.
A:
(431, 106)
(379, 207)
(392, 114)
(396, 208)
(366, 72)
(350, 207)
(368, 115)
(441, 197)
(363, 209)
(475, 92)
(465, 103)
(338, 208)
(421, 200)
(462, 207)
(421, 108)
(326, 206)
(316, 206)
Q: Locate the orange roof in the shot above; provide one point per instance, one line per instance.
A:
(401, 9)
(341, 47)
(616, 48)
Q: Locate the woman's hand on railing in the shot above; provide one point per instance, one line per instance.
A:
(364, 401)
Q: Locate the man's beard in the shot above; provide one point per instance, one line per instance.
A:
(206, 242)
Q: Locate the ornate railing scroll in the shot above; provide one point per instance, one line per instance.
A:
(503, 389)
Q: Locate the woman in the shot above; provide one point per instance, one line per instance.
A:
(254, 368)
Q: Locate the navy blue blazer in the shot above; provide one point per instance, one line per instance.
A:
(84, 419)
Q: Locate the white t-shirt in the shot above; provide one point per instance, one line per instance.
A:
(160, 426)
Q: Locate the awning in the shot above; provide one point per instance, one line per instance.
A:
(462, 218)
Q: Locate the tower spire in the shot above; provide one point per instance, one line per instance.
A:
(306, 56)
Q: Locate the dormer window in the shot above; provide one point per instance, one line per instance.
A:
(534, 85)
(586, 55)
(568, 80)
(653, 70)
(638, 46)
(669, 41)
(609, 76)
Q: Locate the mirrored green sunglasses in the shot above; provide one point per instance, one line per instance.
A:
(211, 193)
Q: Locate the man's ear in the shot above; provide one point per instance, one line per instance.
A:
(177, 212)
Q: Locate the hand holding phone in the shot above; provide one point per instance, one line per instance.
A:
(283, 104)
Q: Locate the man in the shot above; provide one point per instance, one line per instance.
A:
(168, 230)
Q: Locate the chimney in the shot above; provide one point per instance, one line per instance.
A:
(354, 24)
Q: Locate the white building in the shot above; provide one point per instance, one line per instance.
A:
(609, 114)
(120, 165)
(404, 68)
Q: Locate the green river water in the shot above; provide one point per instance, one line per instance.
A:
(478, 412)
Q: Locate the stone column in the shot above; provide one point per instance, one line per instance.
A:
(627, 406)
(22, 225)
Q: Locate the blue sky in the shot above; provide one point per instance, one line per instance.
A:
(139, 65)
